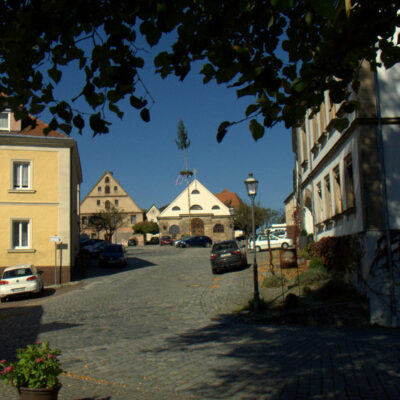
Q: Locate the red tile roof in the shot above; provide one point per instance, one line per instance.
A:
(230, 199)
(35, 127)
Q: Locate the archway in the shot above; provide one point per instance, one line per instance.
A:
(174, 230)
(197, 226)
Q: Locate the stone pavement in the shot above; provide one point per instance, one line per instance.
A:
(198, 350)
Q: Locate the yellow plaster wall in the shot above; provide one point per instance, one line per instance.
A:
(44, 223)
(44, 174)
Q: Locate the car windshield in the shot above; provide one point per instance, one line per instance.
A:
(17, 273)
(225, 246)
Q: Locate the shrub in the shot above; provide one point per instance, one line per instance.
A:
(313, 275)
(316, 262)
(307, 252)
(274, 281)
(335, 288)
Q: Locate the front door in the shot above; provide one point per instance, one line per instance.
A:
(197, 226)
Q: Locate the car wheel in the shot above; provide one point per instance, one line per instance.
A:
(285, 245)
(3, 299)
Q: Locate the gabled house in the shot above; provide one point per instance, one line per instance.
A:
(39, 198)
(207, 215)
(152, 214)
(108, 192)
(230, 199)
(348, 183)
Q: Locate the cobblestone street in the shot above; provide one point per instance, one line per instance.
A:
(162, 329)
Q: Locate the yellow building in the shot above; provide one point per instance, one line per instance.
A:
(39, 198)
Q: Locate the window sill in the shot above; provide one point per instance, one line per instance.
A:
(21, 251)
(349, 211)
(21, 191)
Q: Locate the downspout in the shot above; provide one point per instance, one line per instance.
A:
(385, 208)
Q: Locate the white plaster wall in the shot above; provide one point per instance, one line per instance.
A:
(391, 139)
(389, 88)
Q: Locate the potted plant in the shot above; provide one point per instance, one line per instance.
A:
(35, 373)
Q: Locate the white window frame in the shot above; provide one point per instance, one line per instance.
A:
(20, 222)
(8, 121)
(20, 186)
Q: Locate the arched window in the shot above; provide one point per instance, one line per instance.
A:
(218, 228)
(107, 189)
(216, 207)
(196, 207)
(176, 208)
(107, 204)
(174, 231)
(195, 191)
(107, 180)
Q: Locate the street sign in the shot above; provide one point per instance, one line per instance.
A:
(56, 239)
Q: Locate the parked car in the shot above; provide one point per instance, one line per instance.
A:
(113, 256)
(20, 280)
(166, 240)
(95, 249)
(154, 240)
(228, 256)
(132, 242)
(275, 242)
(195, 241)
(177, 242)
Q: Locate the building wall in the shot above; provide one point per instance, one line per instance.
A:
(46, 205)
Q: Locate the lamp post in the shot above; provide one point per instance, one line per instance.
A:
(251, 187)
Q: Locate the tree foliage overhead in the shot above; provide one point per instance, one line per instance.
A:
(283, 54)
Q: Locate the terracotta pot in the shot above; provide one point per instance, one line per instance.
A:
(38, 394)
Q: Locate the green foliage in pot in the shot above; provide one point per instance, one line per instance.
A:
(37, 366)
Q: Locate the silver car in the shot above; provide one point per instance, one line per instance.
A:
(275, 242)
(20, 280)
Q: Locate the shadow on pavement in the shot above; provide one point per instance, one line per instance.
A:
(90, 268)
(301, 362)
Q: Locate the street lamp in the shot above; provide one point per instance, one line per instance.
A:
(251, 187)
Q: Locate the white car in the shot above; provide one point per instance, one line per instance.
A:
(275, 242)
(19, 280)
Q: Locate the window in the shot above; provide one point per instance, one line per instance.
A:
(216, 207)
(196, 207)
(133, 219)
(107, 204)
(116, 202)
(20, 234)
(218, 228)
(107, 189)
(98, 202)
(21, 174)
(349, 182)
(107, 180)
(328, 197)
(337, 191)
(304, 145)
(319, 211)
(115, 188)
(99, 189)
(84, 220)
(5, 121)
(176, 208)
(195, 191)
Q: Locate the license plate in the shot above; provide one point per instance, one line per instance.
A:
(225, 255)
(18, 290)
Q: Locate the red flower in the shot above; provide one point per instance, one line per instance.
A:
(51, 356)
(38, 360)
(7, 369)
(3, 361)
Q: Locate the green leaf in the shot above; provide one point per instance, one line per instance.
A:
(252, 108)
(66, 128)
(340, 124)
(78, 122)
(256, 129)
(145, 115)
(136, 102)
(54, 74)
(222, 130)
(116, 110)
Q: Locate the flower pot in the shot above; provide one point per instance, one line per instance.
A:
(38, 393)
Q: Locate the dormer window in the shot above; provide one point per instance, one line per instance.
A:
(176, 208)
(5, 121)
(195, 191)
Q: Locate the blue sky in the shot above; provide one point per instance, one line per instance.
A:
(146, 161)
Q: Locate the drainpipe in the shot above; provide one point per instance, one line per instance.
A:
(385, 209)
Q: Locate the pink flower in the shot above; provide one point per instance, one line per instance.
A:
(38, 360)
(51, 356)
(3, 361)
(7, 369)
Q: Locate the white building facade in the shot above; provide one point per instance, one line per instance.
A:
(348, 183)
